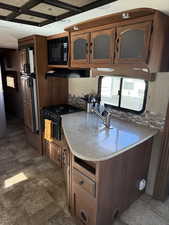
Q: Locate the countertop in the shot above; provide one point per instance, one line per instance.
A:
(89, 140)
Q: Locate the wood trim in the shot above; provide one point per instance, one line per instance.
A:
(125, 71)
(113, 18)
(58, 66)
(161, 190)
(60, 35)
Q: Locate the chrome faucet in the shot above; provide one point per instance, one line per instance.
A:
(105, 116)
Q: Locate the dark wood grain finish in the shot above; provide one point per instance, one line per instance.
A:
(154, 56)
(84, 182)
(161, 189)
(159, 51)
(112, 18)
(117, 181)
(122, 30)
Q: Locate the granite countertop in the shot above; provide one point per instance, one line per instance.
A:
(89, 140)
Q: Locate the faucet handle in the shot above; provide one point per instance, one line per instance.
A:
(105, 113)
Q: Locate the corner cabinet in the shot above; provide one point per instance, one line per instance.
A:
(133, 43)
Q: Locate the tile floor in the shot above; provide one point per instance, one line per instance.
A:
(32, 189)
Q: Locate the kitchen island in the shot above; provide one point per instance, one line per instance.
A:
(107, 169)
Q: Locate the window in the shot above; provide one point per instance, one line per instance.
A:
(11, 81)
(124, 93)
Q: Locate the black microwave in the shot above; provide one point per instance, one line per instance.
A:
(58, 51)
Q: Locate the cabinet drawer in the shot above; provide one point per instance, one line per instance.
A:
(84, 182)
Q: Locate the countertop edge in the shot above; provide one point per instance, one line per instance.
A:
(110, 156)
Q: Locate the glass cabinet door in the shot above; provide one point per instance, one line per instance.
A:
(80, 49)
(132, 44)
(102, 46)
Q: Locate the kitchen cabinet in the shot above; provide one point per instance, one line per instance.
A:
(100, 191)
(93, 48)
(55, 153)
(84, 206)
(102, 46)
(59, 153)
(137, 47)
(80, 49)
(133, 42)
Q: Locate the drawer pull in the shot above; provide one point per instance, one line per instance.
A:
(81, 182)
(83, 217)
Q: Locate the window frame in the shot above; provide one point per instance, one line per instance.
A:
(120, 96)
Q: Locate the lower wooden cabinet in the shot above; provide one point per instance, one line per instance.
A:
(98, 192)
(55, 154)
(101, 191)
(84, 206)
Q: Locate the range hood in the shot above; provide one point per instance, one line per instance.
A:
(67, 73)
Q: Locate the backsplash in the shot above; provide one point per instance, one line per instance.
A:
(148, 119)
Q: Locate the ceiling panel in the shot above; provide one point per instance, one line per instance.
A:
(4, 12)
(43, 12)
(17, 3)
(49, 9)
(30, 18)
(78, 3)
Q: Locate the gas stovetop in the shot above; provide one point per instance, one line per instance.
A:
(55, 111)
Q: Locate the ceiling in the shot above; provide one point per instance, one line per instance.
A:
(43, 12)
(11, 31)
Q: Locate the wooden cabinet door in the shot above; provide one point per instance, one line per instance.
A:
(133, 42)
(84, 206)
(102, 47)
(80, 49)
(55, 154)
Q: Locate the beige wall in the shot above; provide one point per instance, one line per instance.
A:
(158, 94)
(82, 86)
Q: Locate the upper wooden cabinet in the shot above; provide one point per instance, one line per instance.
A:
(102, 46)
(93, 48)
(80, 49)
(132, 43)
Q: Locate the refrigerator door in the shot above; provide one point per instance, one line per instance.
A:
(29, 93)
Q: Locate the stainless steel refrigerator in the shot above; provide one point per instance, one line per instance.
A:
(2, 109)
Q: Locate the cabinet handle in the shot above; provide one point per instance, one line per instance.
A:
(117, 45)
(83, 216)
(86, 48)
(81, 182)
